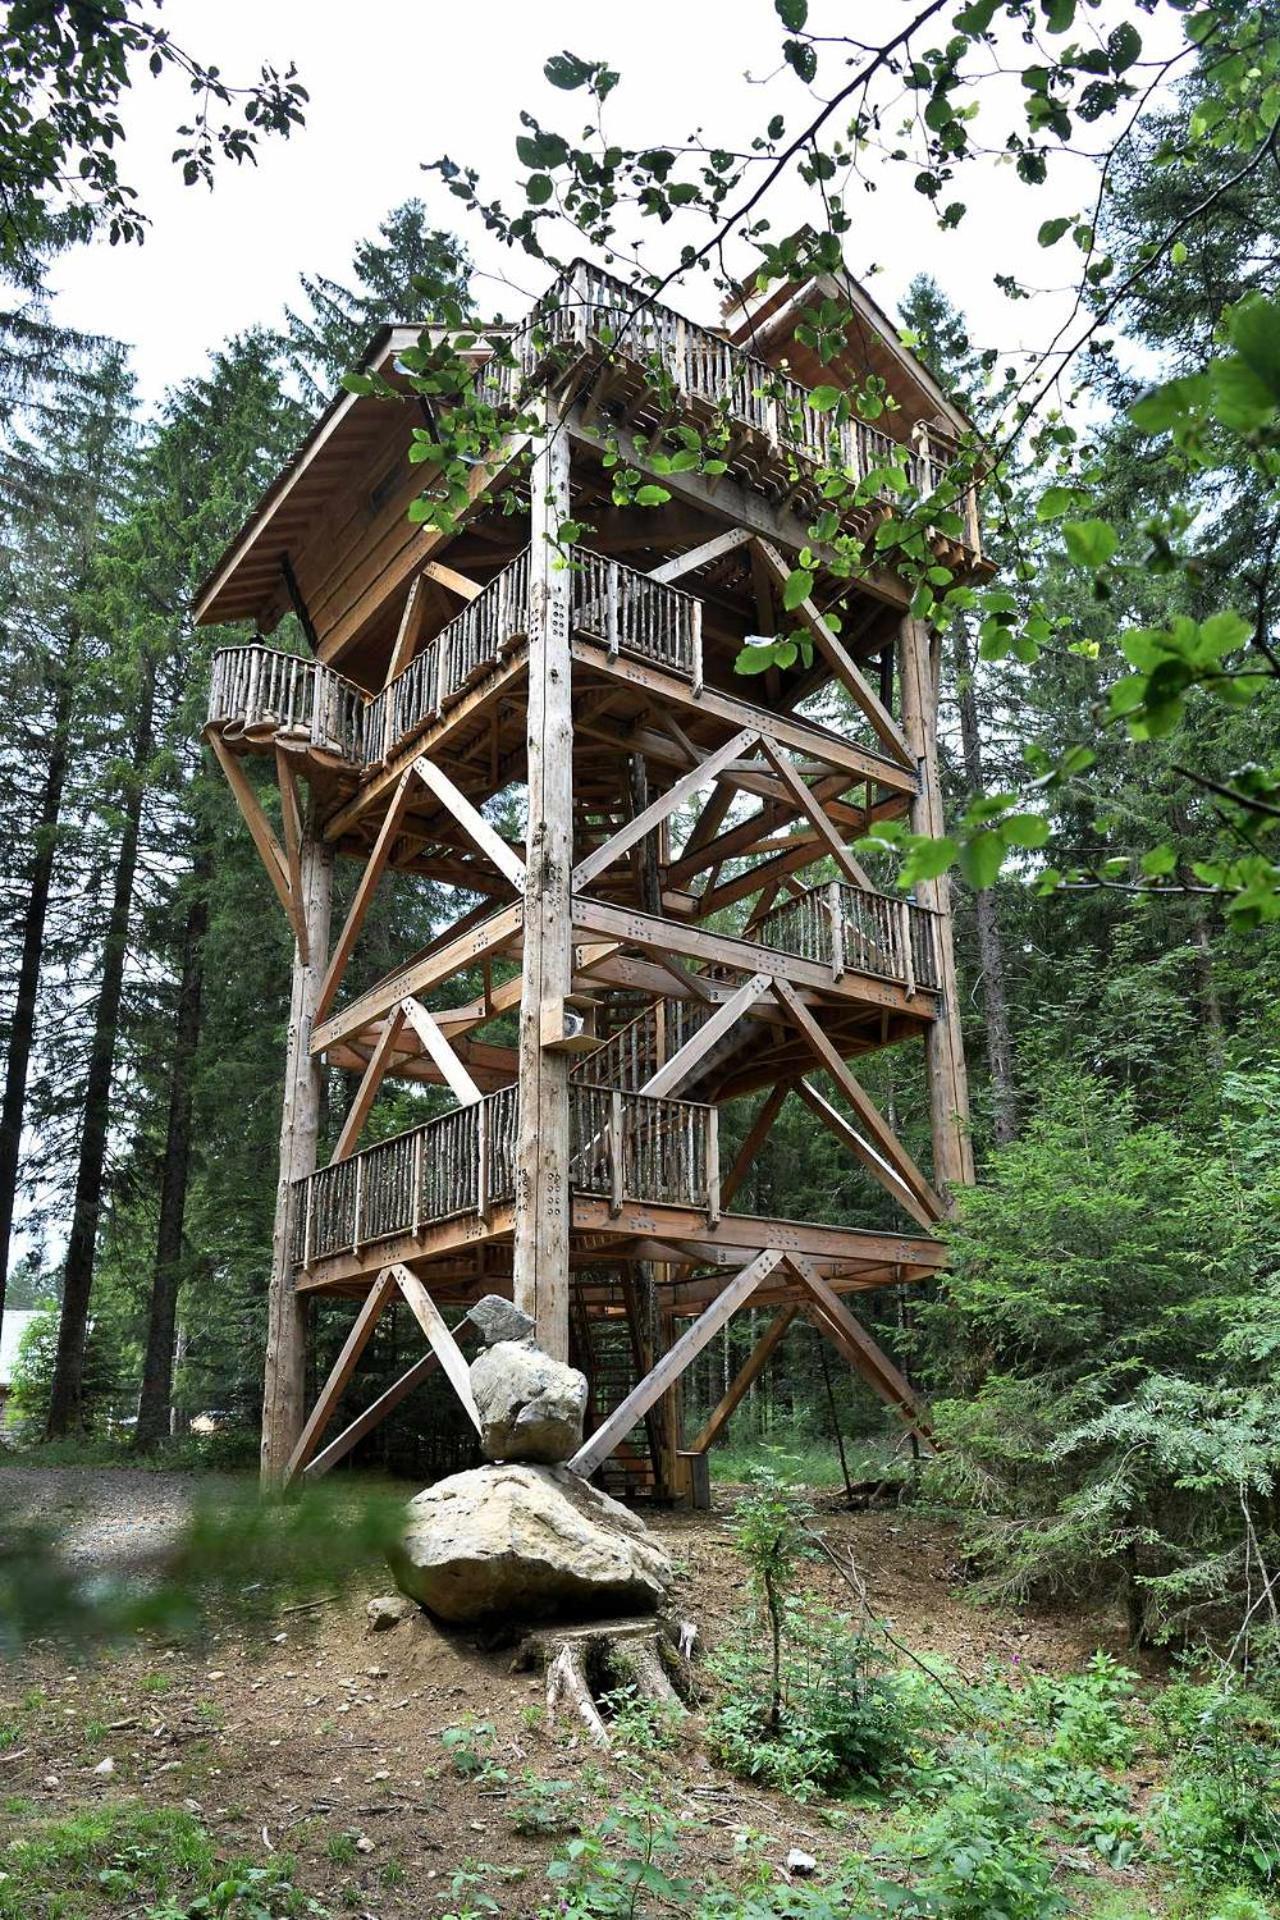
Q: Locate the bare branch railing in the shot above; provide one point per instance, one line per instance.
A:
(851, 929)
(464, 1162)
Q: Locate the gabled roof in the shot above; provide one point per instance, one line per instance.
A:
(765, 323)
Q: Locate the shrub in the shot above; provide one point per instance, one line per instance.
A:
(1219, 1820)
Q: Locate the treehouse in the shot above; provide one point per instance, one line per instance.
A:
(658, 911)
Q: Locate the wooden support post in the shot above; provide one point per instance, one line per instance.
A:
(602, 1442)
(542, 1201)
(918, 672)
(751, 1367)
(283, 1390)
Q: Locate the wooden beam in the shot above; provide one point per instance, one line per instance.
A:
(409, 631)
(864, 1353)
(666, 803)
(367, 1091)
(472, 822)
(677, 1070)
(860, 763)
(340, 1373)
(919, 669)
(363, 897)
(701, 556)
(263, 839)
(811, 807)
(456, 582)
(750, 1370)
(376, 1413)
(862, 1150)
(459, 1081)
(284, 1375)
(602, 1442)
(461, 950)
(843, 666)
(540, 1267)
(446, 1349)
(757, 1134)
(863, 1105)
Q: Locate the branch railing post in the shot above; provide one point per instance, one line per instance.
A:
(835, 907)
(616, 1139)
(713, 1166)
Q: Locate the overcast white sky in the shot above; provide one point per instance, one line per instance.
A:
(411, 79)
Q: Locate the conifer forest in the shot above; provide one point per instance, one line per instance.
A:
(1015, 1656)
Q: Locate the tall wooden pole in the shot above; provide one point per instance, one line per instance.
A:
(284, 1390)
(542, 1210)
(919, 663)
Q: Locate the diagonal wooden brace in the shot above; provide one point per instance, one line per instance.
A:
(595, 1450)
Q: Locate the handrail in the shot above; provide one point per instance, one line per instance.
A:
(853, 929)
(632, 1146)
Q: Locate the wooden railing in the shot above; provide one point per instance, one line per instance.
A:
(634, 1053)
(625, 1146)
(629, 613)
(850, 929)
(588, 312)
(257, 689)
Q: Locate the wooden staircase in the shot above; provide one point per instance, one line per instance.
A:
(603, 1346)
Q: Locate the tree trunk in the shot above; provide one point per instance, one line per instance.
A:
(66, 1402)
(999, 1038)
(157, 1368)
(22, 1029)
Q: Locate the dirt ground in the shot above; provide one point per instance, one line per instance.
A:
(317, 1737)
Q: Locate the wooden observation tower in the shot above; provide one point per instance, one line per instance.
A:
(676, 924)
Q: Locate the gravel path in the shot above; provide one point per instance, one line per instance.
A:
(110, 1518)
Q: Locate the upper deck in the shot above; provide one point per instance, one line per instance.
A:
(332, 537)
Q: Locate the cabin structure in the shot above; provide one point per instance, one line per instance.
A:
(658, 910)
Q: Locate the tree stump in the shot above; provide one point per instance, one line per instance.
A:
(583, 1663)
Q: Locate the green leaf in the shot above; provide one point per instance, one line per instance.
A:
(651, 496)
(566, 71)
(1159, 861)
(1255, 334)
(797, 590)
(823, 399)
(1090, 543)
(1051, 231)
(1025, 830)
(1168, 406)
(1055, 501)
(753, 659)
(1241, 399)
(1124, 45)
(801, 58)
(792, 13)
(927, 859)
(981, 859)
(538, 189)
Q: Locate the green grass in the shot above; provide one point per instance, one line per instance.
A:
(144, 1863)
(803, 1461)
(120, 1854)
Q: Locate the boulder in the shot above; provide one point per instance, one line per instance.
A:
(497, 1319)
(530, 1406)
(388, 1610)
(525, 1542)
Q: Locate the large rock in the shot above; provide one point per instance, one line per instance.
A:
(497, 1319)
(530, 1405)
(524, 1542)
